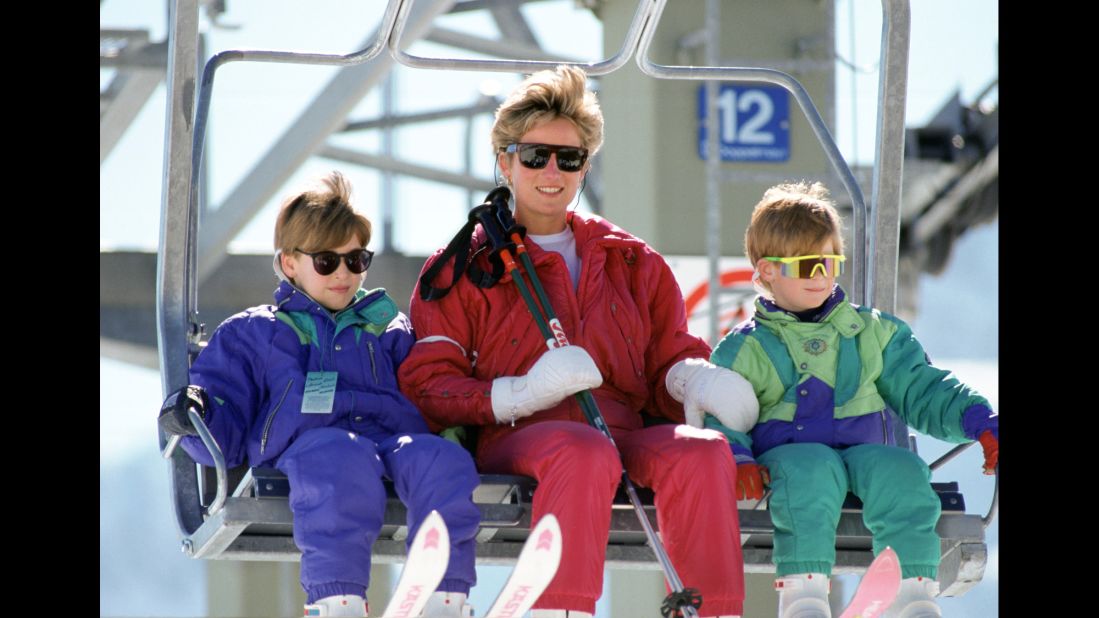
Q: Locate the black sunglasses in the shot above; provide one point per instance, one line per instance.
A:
(537, 156)
(326, 262)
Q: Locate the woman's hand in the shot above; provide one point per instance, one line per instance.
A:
(704, 387)
(560, 372)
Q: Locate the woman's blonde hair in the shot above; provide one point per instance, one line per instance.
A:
(544, 96)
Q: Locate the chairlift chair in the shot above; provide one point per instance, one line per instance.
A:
(243, 513)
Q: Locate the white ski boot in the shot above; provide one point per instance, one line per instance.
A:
(447, 605)
(803, 595)
(338, 605)
(915, 599)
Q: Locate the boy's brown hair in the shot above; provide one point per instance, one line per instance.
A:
(793, 219)
(320, 218)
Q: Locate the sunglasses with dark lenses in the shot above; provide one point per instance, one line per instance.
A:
(805, 266)
(326, 262)
(537, 156)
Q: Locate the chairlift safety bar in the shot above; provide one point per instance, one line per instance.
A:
(890, 150)
(633, 35)
(994, 507)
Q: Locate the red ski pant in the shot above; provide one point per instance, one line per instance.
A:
(691, 472)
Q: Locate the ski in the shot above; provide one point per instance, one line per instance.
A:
(424, 568)
(533, 572)
(878, 587)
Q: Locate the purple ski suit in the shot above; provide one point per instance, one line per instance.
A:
(255, 370)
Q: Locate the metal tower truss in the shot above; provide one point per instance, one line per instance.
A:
(139, 68)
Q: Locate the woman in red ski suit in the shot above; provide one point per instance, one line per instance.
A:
(481, 361)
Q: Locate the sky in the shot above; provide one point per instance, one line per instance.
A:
(953, 48)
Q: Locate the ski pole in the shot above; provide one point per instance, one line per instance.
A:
(686, 600)
(555, 336)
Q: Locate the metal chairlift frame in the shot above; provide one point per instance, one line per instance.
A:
(255, 523)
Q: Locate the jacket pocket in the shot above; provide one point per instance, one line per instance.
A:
(631, 338)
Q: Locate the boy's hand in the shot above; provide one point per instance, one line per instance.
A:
(750, 480)
(173, 414)
(558, 373)
(991, 445)
(704, 387)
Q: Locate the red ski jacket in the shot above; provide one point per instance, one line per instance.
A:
(627, 312)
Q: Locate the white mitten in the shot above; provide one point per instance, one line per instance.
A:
(560, 372)
(702, 387)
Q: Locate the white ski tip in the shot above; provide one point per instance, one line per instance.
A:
(428, 556)
(534, 570)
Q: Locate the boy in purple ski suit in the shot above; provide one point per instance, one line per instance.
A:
(309, 385)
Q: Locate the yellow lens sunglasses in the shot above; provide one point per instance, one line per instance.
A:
(805, 266)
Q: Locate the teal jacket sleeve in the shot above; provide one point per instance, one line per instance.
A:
(929, 399)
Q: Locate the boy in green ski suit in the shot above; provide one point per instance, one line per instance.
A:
(824, 371)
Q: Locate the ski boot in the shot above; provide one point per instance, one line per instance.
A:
(447, 605)
(803, 595)
(915, 599)
(338, 605)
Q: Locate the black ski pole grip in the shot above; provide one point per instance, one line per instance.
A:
(495, 218)
(498, 197)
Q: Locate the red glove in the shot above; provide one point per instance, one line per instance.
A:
(750, 479)
(991, 445)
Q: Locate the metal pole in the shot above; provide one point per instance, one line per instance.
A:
(885, 205)
(173, 281)
(388, 194)
(713, 168)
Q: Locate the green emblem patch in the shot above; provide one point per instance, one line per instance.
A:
(815, 346)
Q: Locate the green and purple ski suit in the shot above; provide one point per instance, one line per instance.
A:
(825, 387)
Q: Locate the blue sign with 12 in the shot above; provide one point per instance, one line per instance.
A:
(753, 123)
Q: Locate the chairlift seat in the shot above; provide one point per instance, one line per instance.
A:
(255, 523)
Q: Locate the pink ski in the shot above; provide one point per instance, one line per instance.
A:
(878, 587)
(534, 570)
(423, 570)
